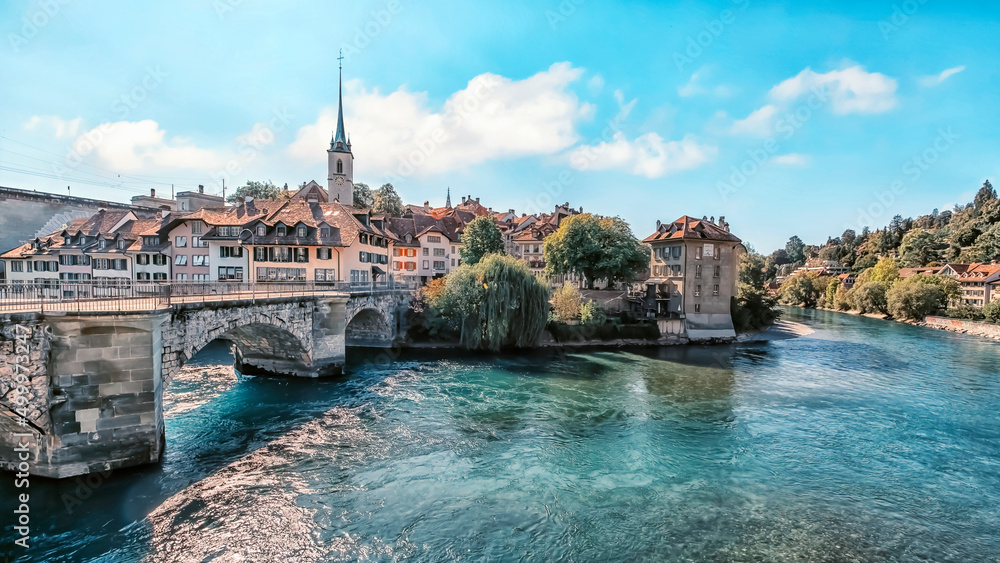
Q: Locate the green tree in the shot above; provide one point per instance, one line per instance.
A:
(566, 303)
(870, 297)
(985, 195)
(992, 312)
(885, 271)
(912, 299)
(386, 200)
(753, 307)
(987, 247)
(831, 292)
(918, 248)
(842, 299)
(795, 249)
(863, 262)
(496, 303)
(259, 191)
(800, 290)
(362, 196)
(595, 249)
(481, 237)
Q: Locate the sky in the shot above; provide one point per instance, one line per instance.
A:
(787, 118)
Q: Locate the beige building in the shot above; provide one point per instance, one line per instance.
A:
(694, 266)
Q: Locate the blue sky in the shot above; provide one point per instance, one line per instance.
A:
(787, 118)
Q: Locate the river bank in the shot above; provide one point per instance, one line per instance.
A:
(961, 326)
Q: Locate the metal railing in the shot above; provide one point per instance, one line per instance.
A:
(132, 295)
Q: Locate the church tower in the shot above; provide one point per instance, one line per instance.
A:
(340, 178)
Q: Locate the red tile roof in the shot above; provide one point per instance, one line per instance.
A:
(689, 228)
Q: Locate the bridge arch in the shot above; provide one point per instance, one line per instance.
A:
(369, 327)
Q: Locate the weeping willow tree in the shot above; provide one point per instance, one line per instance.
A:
(497, 303)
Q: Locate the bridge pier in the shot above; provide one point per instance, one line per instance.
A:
(84, 391)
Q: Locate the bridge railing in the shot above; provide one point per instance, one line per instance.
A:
(131, 295)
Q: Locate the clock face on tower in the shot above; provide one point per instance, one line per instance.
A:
(340, 181)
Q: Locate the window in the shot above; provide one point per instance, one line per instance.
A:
(427, 251)
(101, 243)
(180, 260)
(300, 231)
(16, 266)
(142, 276)
(281, 274)
(715, 291)
(181, 277)
(159, 276)
(180, 242)
(697, 253)
(438, 252)
(227, 273)
(280, 254)
(199, 277)
(395, 265)
(325, 275)
(439, 264)
(301, 254)
(452, 249)
(697, 307)
(717, 271)
(230, 252)
(697, 290)
(196, 242)
(676, 269)
(142, 259)
(261, 230)
(340, 166)
(159, 260)
(199, 260)
(452, 262)
(697, 271)
(323, 253)
(433, 239)
(717, 254)
(196, 227)
(411, 252)
(66, 241)
(260, 254)
(281, 230)
(324, 232)
(426, 265)
(121, 245)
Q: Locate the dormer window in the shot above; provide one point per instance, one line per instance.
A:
(261, 230)
(66, 240)
(281, 231)
(101, 243)
(301, 231)
(121, 245)
(324, 232)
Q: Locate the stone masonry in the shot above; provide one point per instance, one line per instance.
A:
(95, 381)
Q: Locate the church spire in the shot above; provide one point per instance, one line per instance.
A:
(339, 142)
(447, 202)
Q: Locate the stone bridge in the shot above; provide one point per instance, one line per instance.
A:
(91, 384)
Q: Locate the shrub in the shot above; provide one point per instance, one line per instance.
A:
(566, 302)
(966, 312)
(592, 314)
(871, 297)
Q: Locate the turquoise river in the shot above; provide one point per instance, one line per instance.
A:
(863, 441)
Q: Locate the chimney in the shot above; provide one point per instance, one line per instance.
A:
(201, 189)
(477, 200)
(512, 212)
(152, 192)
(463, 199)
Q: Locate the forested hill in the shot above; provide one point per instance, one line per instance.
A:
(968, 233)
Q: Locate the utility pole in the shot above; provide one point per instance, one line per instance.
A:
(223, 190)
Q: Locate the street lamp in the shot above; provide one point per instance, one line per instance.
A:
(253, 285)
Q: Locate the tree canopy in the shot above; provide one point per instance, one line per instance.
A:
(594, 248)
(481, 237)
(260, 191)
(386, 200)
(497, 303)
(362, 196)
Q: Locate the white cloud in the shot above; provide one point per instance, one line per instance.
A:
(937, 79)
(624, 109)
(133, 145)
(62, 128)
(759, 122)
(492, 118)
(648, 155)
(694, 86)
(596, 84)
(791, 159)
(850, 90)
